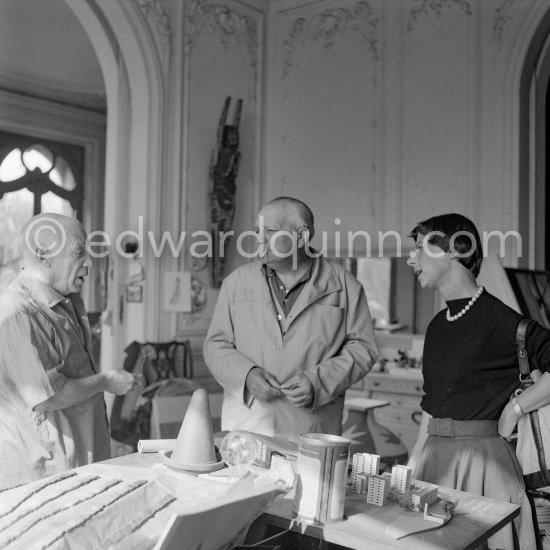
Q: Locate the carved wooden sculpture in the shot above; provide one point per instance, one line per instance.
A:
(225, 164)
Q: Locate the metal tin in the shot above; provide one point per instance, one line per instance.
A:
(322, 470)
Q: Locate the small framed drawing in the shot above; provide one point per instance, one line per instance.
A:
(134, 293)
(177, 291)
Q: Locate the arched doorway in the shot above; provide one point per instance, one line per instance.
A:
(534, 147)
(131, 69)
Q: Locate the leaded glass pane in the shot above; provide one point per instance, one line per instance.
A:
(55, 204)
(12, 167)
(16, 209)
(38, 156)
(62, 175)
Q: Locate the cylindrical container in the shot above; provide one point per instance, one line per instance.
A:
(322, 470)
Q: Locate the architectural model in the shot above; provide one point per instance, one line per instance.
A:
(436, 518)
(401, 478)
(363, 466)
(359, 483)
(424, 496)
(379, 487)
(365, 463)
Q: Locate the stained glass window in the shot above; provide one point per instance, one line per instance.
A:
(36, 176)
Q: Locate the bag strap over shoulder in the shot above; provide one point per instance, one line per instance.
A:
(526, 381)
(523, 359)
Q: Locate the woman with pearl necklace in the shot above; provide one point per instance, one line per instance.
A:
(470, 370)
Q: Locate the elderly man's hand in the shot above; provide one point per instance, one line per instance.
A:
(262, 385)
(120, 382)
(299, 391)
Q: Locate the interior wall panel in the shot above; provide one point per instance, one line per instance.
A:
(223, 49)
(324, 143)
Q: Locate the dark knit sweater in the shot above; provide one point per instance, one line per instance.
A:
(470, 365)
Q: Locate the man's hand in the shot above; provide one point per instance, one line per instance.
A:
(262, 385)
(120, 382)
(507, 421)
(70, 391)
(299, 391)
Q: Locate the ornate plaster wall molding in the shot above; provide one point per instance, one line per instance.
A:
(158, 21)
(324, 27)
(502, 17)
(227, 25)
(424, 7)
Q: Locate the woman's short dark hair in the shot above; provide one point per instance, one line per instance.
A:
(456, 233)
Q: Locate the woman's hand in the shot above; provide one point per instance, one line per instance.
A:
(507, 421)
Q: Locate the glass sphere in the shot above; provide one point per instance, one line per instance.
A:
(238, 448)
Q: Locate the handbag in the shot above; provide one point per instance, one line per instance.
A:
(533, 444)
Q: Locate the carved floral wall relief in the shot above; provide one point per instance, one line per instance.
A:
(425, 7)
(227, 25)
(502, 17)
(327, 26)
(158, 21)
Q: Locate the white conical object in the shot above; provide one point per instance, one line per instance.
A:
(194, 449)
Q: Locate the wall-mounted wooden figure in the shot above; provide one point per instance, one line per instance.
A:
(223, 172)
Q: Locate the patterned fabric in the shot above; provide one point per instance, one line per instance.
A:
(285, 297)
(45, 338)
(78, 511)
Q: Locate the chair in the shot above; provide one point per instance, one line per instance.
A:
(167, 360)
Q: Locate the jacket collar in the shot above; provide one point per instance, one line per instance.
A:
(39, 290)
(323, 281)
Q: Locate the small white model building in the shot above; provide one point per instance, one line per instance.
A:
(261, 452)
(359, 483)
(379, 487)
(425, 495)
(365, 463)
(401, 478)
(436, 518)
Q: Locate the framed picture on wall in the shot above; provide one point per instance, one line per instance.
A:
(134, 293)
(532, 290)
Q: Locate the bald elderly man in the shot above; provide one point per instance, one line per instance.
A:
(290, 332)
(52, 411)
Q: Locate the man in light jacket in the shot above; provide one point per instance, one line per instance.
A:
(290, 332)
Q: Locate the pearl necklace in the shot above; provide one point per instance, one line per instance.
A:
(472, 301)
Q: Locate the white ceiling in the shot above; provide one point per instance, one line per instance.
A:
(45, 52)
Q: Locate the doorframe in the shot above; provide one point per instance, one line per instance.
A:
(533, 88)
(132, 70)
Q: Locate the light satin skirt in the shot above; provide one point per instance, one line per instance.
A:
(485, 466)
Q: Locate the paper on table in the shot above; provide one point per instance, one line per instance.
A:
(393, 520)
(221, 525)
(408, 525)
(155, 445)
